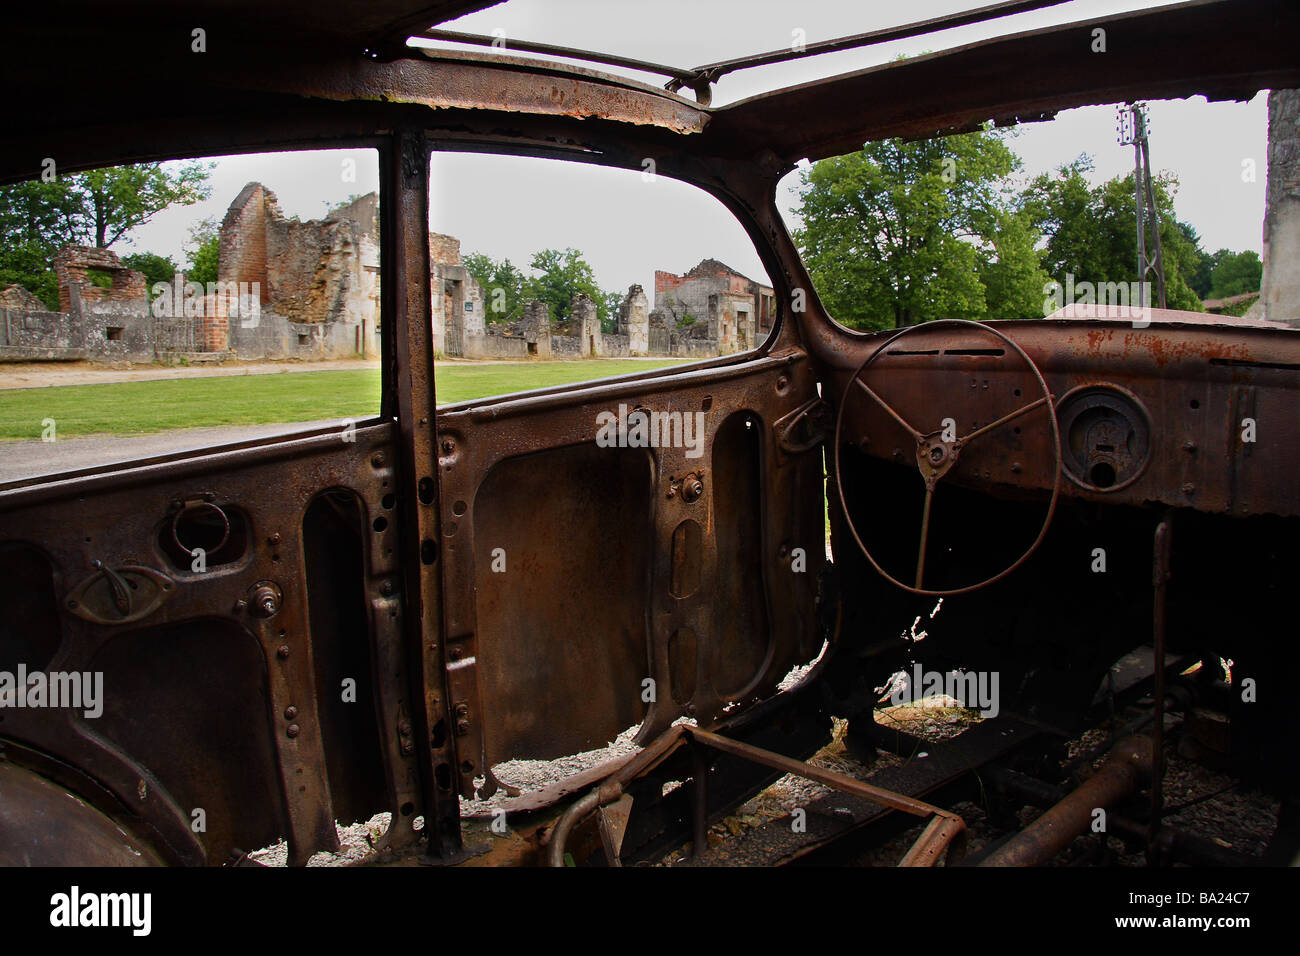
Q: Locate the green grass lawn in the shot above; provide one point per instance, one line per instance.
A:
(135, 408)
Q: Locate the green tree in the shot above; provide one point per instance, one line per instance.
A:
(903, 232)
(1236, 273)
(155, 268)
(608, 306)
(1201, 277)
(503, 286)
(1092, 231)
(560, 276)
(205, 255)
(117, 199)
(97, 208)
(36, 220)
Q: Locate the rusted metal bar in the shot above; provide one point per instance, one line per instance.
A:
(992, 11)
(1160, 572)
(1127, 768)
(509, 44)
(404, 221)
(712, 72)
(610, 790)
(700, 782)
(941, 832)
(944, 830)
(1174, 844)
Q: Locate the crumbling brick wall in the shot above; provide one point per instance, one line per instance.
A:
(309, 272)
(241, 244)
(72, 264)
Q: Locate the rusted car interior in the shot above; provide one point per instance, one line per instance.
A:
(708, 577)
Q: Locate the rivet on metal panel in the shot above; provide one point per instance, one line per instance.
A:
(290, 712)
(293, 730)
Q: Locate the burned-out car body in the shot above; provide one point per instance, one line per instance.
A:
(370, 559)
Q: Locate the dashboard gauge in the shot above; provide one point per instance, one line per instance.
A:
(1105, 436)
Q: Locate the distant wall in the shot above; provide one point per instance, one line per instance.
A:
(1280, 291)
(275, 337)
(27, 335)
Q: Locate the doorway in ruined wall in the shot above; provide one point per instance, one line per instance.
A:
(453, 298)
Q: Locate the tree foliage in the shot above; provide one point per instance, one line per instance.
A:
(1092, 231)
(560, 275)
(114, 200)
(95, 208)
(503, 286)
(903, 232)
(156, 268)
(205, 241)
(1235, 273)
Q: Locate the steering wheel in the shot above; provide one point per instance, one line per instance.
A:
(935, 456)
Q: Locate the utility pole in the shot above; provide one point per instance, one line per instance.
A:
(1132, 128)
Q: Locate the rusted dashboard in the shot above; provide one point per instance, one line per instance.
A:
(1181, 415)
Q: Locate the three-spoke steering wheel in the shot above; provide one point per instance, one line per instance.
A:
(937, 453)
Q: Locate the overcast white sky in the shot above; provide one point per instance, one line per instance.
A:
(627, 227)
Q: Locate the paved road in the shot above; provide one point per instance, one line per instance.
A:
(22, 459)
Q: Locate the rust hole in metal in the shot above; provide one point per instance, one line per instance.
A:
(442, 774)
(428, 551)
(426, 491)
(381, 523)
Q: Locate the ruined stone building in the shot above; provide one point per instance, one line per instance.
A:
(93, 321)
(459, 325)
(317, 281)
(717, 303)
(310, 289)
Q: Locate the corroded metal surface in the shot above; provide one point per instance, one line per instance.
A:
(696, 573)
(1196, 384)
(1127, 768)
